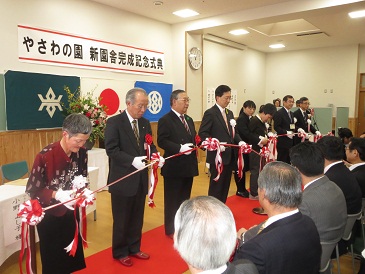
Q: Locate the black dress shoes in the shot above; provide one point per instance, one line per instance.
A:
(259, 210)
(243, 194)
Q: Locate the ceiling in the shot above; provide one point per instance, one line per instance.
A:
(299, 24)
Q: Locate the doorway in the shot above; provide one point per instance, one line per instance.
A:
(361, 107)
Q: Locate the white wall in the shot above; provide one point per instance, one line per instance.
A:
(88, 19)
(241, 70)
(309, 73)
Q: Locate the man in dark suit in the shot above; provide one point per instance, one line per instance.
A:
(176, 133)
(284, 124)
(303, 115)
(258, 138)
(243, 121)
(287, 242)
(355, 153)
(323, 200)
(218, 122)
(205, 237)
(124, 143)
(338, 173)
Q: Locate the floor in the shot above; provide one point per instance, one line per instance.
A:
(99, 231)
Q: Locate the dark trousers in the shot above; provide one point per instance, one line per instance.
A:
(176, 191)
(55, 233)
(255, 163)
(127, 223)
(219, 189)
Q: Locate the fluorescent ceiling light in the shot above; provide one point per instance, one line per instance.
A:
(277, 46)
(185, 13)
(238, 32)
(357, 14)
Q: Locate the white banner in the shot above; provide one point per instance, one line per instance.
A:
(38, 45)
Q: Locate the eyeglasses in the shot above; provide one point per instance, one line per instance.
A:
(185, 100)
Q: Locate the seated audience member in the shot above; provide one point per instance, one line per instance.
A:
(243, 121)
(287, 242)
(322, 200)
(355, 153)
(345, 134)
(205, 237)
(338, 173)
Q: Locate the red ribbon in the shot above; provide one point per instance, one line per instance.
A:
(213, 144)
(197, 143)
(153, 180)
(244, 149)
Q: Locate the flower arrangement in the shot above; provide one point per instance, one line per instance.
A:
(90, 107)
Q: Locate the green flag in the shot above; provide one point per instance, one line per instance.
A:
(34, 100)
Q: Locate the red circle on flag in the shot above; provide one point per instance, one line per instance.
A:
(110, 99)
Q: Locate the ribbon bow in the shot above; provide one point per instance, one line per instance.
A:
(213, 144)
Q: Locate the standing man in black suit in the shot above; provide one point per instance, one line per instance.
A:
(217, 123)
(243, 121)
(258, 138)
(302, 114)
(355, 153)
(284, 124)
(124, 143)
(288, 241)
(176, 133)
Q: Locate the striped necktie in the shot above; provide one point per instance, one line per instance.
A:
(185, 123)
(135, 130)
(262, 227)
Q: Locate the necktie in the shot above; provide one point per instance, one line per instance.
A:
(290, 117)
(135, 130)
(261, 228)
(225, 117)
(184, 123)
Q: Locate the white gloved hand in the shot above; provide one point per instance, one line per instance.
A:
(64, 196)
(290, 134)
(270, 134)
(318, 133)
(186, 147)
(161, 162)
(241, 143)
(300, 130)
(222, 148)
(138, 162)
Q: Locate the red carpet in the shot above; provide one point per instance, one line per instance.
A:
(164, 259)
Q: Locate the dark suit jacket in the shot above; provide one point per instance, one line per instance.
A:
(121, 147)
(241, 267)
(242, 127)
(213, 125)
(282, 125)
(289, 245)
(359, 173)
(301, 123)
(257, 128)
(325, 203)
(171, 133)
(342, 176)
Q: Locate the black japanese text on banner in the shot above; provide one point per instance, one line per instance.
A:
(38, 45)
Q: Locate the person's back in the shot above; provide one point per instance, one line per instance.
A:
(325, 203)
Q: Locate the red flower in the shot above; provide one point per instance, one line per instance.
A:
(148, 139)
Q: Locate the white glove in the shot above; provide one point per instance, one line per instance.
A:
(223, 148)
(300, 130)
(138, 162)
(88, 193)
(161, 162)
(241, 143)
(318, 133)
(186, 147)
(290, 134)
(270, 134)
(64, 196)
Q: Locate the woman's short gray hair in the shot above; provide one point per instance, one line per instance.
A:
(205, 232)
(282, 184)
(77, 123)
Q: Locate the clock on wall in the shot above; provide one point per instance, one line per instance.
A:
(195, 57)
